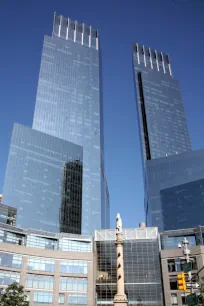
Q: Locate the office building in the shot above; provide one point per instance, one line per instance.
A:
(69, 108)
(162, 121)
(55, 269)
(172, 171)
(35, 180)
(174, 190)
(173, 260)
(143, 284)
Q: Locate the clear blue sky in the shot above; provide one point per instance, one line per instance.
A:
(174, 26)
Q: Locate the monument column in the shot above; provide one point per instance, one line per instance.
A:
(120, 297)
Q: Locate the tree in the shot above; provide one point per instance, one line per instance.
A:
(201, 295)
(14, 296)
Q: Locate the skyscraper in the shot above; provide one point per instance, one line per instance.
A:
(162, 121)
(69, 107)
(172, 171)
(35, 180)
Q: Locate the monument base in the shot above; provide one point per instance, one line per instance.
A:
(120, 300)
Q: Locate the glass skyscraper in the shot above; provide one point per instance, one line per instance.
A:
(172, 171)
(69, 107)
(162, 121)
(36, 183)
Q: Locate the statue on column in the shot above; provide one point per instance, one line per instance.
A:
(120, 298)
(118, 224)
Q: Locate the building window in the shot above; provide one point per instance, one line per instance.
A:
(180, 264)
(73, 266)
(40, 242)
(43, 297)
(73, 284)
(41, 264)
(61, 298)
(171, 265)
(27, 296)
(74, 246)
(174, 299)
(77, 299)
(12, 238)
(9, 277)
(10, 260)
(39, 281)
(184, 298)
(173, 284)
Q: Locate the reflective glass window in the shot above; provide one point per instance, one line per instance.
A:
(73, 284)
(41, 242)
(43, 297)
(9, 277)
(174, 299)
(13, 238)
(66, 244)
(10, 260)
(41, 264)
(39, 281)
(61, 298)
(73, 266)
(80, 299)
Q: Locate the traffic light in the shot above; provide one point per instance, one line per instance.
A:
(181, 281)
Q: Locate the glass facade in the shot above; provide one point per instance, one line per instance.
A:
(141, 267)
(174, 193)
(71, 205)
(13, 238)
(43, 240)
(73, 284)
(49, 275)
(61, 298)
(9, 277)
(162, 121)
(77, 299)
(69, 106)
(53, 186)
(188, 200)
(35, 177)
(66, 244)
(74, 266)
(43, 297)
(10, 260)
(39, 281)
(41, 264)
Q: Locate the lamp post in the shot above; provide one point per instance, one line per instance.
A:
(186, 253)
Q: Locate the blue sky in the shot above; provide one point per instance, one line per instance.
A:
(175, 27)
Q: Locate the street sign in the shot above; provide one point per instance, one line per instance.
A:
(187, 267)
(191, 300)
(193, 285)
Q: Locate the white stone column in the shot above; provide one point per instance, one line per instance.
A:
(120, 297)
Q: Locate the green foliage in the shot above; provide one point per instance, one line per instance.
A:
(14, 296)
(201, 295)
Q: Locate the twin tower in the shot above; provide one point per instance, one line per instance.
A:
(55, 173)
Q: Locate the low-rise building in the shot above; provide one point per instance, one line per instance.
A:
(173, 260)
(53, 268)
(143, 284)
